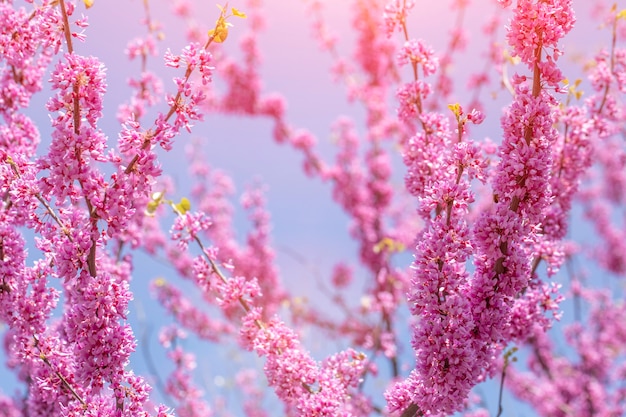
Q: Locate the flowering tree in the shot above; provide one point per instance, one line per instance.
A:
(488, 222)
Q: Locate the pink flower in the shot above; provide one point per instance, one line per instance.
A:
(539, 25)
(395, 15)
(415, 52)
(187, 226)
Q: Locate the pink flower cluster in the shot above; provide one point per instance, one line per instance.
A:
(302, 384)
(180, 385)
(463, 320)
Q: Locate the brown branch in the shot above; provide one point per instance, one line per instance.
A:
(67, 385)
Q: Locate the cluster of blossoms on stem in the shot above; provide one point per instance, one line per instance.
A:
(256, 257)
(92, 330)
(522, 182)
(442, 339)
(179, 385)
(302, 383)
(587, 385)
(188, 315)
(464, 320)
(247, 381)
(147, 87)
(188, 97)
(80, 86)
(187, 226)
(26, 300)
(604, 120)
(78, 364)
(415, 52)
(395, 15)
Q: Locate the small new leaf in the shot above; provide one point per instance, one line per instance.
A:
(573, 88)
(88, 3)
(387, 244)
(183, 206)
(238, 13)
(220, 33)
(456, 109)
(155, 201)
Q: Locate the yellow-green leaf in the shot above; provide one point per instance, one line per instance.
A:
(151, 208)
(155, 200)
(182, 207)
(220, 33)
(185, 204)
(387, 244)
(238, 13)
(455, 108)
